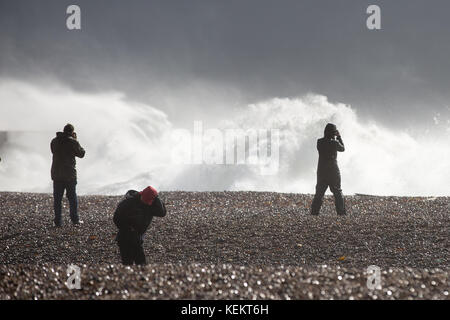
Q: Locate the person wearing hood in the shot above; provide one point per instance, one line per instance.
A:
(133, 217)
(65, 148)
(328, 174)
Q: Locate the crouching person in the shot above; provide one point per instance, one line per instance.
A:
(133, 216)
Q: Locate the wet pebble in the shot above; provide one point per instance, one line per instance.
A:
(252, 245)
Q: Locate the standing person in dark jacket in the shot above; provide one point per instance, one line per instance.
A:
(328, 174)
(133, 216)
(65, 148)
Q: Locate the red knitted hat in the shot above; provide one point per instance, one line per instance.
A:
(148, 195)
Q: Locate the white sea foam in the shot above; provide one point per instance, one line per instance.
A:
(129, 145)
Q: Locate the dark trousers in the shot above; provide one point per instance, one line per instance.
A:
(332, 180)
(58, 191)
(131, 247)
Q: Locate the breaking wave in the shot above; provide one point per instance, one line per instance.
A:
(131, 145)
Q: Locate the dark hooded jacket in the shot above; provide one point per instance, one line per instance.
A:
(328, 147)
(132, 215)
(65, 148)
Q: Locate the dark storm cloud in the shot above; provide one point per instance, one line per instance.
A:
(255, 49)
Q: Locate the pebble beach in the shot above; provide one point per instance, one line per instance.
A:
(230, 245)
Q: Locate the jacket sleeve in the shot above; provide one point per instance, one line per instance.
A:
(78, 150)
(52, 146)
(340, 144)
(142, 217)
(159, 208)
(118, 218)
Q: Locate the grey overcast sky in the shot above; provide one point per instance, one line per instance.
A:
(238, 51)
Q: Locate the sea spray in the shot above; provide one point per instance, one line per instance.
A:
(129, 145)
